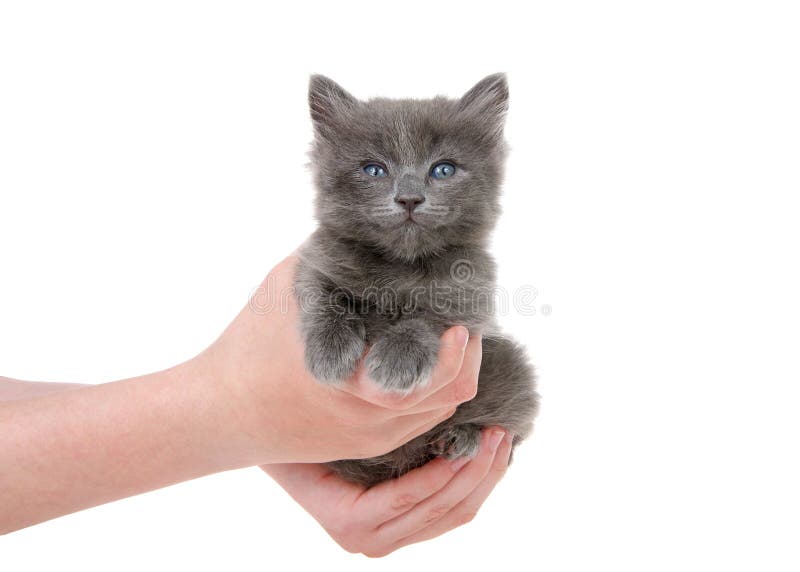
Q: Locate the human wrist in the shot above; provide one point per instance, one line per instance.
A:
(240, 413)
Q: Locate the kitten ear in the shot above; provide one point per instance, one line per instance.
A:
(487, 103)
(328, 102)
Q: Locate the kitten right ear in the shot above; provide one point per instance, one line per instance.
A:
(329, 103)
(487, 103)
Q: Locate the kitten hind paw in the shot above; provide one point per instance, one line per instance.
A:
(458, 441)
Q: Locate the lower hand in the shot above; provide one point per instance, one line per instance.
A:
(420, 505)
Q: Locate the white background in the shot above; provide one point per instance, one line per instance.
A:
(152, 171)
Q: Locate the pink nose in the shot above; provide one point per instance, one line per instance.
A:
(409, 201)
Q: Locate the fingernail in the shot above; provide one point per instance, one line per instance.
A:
(495, 438)
(510, 438)
(461, 336)
(457, 464)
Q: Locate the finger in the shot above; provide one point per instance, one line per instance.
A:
(463, 388)
(392, 498)
(452, 346)
(438, 505)
(466, 510)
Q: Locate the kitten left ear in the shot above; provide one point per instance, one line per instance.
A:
(328, 102)
(487, 103)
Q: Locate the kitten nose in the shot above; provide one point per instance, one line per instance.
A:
(409, 201)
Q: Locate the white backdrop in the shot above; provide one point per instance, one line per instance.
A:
(152, 171)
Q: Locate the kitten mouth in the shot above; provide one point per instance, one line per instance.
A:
(414, 223)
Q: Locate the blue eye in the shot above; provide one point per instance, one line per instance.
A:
(374, 170)
(443, 170)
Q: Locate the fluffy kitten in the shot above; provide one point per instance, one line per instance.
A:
(407, 193)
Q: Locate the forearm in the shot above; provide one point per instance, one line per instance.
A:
(74, 449)
(12, 389)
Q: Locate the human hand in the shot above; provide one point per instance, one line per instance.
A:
(420, 505)
(285, 415)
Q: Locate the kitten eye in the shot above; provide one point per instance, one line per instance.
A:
(374, 170)
(443, 170)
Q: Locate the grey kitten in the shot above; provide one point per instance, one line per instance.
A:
(407, 193)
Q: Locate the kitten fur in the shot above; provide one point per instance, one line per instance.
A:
(380, 277)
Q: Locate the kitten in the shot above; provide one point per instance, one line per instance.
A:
(407, 193)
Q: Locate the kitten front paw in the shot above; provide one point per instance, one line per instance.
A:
(458, 441)
(403, 358)
(333, 350)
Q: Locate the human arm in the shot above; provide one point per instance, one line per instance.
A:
(420, 505)
(234, 405)
(72, 449)
(12, 389)
(357, 519)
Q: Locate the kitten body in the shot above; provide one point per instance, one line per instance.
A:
(399, 258)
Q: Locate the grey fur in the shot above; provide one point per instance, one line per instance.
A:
(369, 277)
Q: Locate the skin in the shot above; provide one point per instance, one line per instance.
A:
(420, 505)
(67, 447)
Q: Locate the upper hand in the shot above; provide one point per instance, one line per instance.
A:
(288, 416)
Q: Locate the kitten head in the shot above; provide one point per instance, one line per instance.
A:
(408, 177)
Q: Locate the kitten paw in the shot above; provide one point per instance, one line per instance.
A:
(458, 441)
(403, 358)
(332, 352)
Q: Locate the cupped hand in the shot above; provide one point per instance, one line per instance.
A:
(420, 505)
(286, 416)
